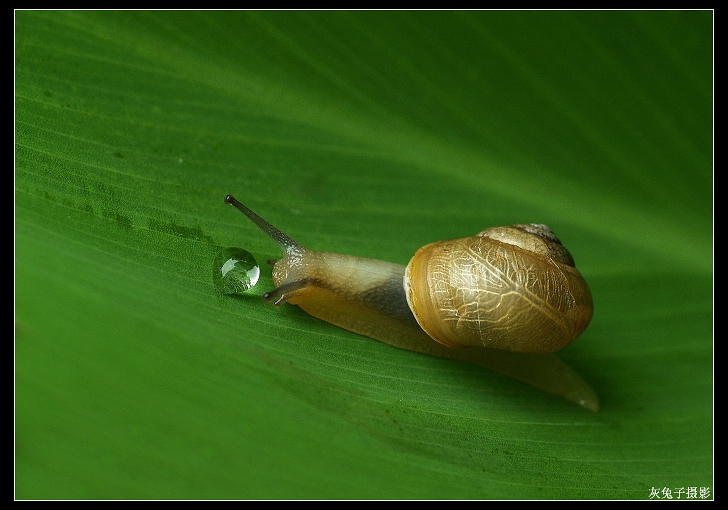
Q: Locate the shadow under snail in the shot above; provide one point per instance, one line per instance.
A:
(504, 299)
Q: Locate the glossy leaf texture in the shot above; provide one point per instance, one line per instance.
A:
(371, 133)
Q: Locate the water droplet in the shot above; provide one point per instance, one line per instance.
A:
(234, 271)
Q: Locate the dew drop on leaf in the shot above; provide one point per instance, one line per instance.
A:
(234, 271)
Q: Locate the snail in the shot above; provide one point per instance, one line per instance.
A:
(505, 299)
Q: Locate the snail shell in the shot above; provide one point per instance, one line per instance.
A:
(512, 288)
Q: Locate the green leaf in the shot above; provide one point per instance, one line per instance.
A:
(370, 133)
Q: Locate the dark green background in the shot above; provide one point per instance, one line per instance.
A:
(370, 133)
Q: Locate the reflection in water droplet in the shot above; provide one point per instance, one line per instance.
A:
(234, 271)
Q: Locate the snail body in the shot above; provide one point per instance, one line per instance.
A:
(504, 299)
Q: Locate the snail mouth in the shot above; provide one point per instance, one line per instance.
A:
(287, 291)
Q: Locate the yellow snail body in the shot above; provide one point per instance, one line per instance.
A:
(504, 299)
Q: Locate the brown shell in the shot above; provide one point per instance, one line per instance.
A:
(488, 292)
